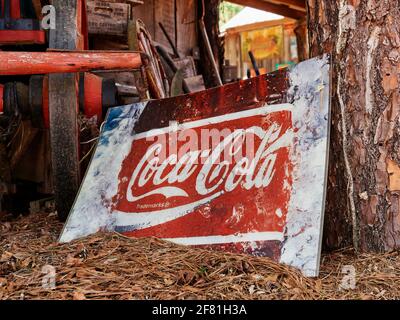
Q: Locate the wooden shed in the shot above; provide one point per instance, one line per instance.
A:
(270, 37)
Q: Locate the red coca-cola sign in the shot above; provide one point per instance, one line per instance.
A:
(223, 176)
(241, 167)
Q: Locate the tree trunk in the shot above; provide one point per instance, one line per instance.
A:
(364, 181)
(302, 39)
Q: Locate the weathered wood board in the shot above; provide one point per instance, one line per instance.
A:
(107, 18)
(63, 108)
(165, 13)
(186, 25)
(240, 168)
(178, 17)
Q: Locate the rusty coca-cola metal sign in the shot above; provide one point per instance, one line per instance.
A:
(211, 181)
(240, 168)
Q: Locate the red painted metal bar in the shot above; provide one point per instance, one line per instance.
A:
(93, 96)
(15, 9)
(26, 63)
(83, 36)
(46, 106)
(11, 37)
(1, 99)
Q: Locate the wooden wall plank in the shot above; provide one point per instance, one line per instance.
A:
(179, 18)
(186, 15)
(146, 13)
(165, 13)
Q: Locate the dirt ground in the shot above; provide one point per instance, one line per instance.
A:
(109, 266)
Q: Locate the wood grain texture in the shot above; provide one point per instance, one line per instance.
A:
(107, 18)
(179, 17)
(63, 105)
(165, 13)
(146, 13)
(186, 24)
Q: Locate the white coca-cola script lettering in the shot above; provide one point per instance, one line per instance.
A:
(216, 172)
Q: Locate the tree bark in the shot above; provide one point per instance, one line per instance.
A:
(363, 37)
(302, 39)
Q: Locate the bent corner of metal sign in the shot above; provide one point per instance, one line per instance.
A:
(256, 184)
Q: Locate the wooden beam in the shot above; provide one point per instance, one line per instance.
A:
(26, 63)
(291, 3)
(260, 25)
(271, 7)
(63, 109)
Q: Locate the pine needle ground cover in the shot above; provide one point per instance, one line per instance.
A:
(110, 266)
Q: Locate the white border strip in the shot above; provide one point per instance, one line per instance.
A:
(248, 237)
(269, 109)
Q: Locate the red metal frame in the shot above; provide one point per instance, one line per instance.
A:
(83, 42)
(92, 98)
(29, 63)
(15, 9)
(1, 99)
(10, 37)
(46, 108)
(93, 87)
(15, 6)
